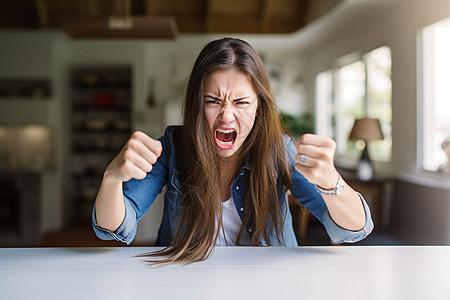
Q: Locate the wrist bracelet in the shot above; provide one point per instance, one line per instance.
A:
(336, 191)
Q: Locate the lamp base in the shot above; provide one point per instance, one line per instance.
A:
(365, 170)
(365, 166)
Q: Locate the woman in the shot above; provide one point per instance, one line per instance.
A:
(227, 169)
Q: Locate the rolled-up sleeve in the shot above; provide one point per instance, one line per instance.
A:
(338, 234)
(126, 231)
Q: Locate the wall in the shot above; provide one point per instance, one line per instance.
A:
(420, 212)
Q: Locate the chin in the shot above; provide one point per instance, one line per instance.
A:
(226, 153)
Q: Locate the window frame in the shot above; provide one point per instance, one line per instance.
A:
(424, 112)
(321, 120)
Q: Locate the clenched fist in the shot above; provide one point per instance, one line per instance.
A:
(136, 158)
(315, 160)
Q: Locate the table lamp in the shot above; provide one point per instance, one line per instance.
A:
(366, 129)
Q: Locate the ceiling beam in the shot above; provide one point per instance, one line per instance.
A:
(189, 15)
(263, 15)
(42, 11)
(192, 16)
(283, 16)
(92, 7)
(233, 16)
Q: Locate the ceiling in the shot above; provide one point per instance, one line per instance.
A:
(191, 16)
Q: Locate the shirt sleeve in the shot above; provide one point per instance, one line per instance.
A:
(138, 196)
(338, 234)
(126, 231)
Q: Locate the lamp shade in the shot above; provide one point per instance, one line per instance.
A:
(366, 129)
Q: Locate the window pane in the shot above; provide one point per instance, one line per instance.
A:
(379, 99)
(324, 104)
(436, 91)
(350, 92)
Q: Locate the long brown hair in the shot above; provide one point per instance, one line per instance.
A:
(263, 151)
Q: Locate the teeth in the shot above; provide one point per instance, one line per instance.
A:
(226, 130)
(225, 143)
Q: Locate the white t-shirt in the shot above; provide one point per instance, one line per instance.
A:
(231, 224)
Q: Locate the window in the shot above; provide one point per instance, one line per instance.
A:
(352, 91)
(434, 105)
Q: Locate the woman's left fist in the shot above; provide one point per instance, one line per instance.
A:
(315, 160)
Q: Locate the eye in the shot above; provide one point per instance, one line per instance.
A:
(242, 102)
(212, 99)
(212, 102)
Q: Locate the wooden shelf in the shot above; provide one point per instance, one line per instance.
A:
(24, 89)
(96, 150)
(91, 108)
(101, 124)
(104, 86)
(107, 130)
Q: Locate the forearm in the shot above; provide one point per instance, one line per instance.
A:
(346, 209)
(109, 205)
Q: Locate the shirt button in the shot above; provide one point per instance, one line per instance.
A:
(237, 187)
(250, 230)
(242, 209)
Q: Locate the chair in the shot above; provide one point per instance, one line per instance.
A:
(300, 218)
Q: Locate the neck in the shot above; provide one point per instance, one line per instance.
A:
(226, 163)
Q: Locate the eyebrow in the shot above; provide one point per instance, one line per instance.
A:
(234, 100)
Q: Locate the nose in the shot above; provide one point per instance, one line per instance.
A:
(227, 115)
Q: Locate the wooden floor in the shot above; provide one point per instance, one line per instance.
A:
(79, 235)
(82, 235)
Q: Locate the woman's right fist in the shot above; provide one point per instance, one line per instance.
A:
(135, 159)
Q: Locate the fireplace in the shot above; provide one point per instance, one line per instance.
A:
(19, 209)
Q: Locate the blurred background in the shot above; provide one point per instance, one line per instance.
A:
(78, 77)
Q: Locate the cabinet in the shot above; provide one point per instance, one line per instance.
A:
(100, 126)
(377, 192)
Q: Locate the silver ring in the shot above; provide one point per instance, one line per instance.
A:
(303, 159)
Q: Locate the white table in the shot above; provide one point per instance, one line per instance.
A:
(327, 272)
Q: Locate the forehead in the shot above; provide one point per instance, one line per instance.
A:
(228, 81)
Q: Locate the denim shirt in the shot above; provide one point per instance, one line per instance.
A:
(140, 194)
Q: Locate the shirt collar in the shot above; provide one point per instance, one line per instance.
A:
(247, 163)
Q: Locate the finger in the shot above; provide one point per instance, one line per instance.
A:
(130, 170)
(306, 170)
(138, 173)
(131, 158)
(140, 149)
(312, 151)
(324, 148)
(141, 163)
(154, 145)
(306, 161)
(316, 140)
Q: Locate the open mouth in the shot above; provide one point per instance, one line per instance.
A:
(225, 138)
